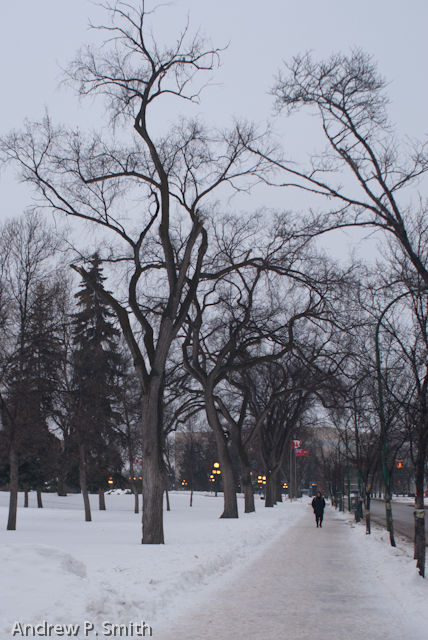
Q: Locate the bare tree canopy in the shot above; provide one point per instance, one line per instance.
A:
(162, 242)
(364, 170)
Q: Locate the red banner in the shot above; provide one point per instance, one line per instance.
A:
(296, 444)
(301, 452)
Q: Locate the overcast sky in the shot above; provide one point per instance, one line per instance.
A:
(37, 37)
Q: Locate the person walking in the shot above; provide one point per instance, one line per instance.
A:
(318, 505)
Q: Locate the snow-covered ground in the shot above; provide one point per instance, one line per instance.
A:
(59, 569)
(404, 499)
(394, 568)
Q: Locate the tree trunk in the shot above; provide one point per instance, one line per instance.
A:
(367, 513)
(419, 513)
(278, 487)
(230, 502)
(102, 500)
(167, 484)
(62, 491)
(246, 485)
(25, 496)
(133, 482)
(136, 501)
(357, 511)
(270, 490)
(82, 481)
(389, 520)
(13, 486)
(39, 498)
(153, 464)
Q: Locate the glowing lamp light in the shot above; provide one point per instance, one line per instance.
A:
(216, 465)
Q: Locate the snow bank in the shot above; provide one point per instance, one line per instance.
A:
(394, 567)
(58, 568)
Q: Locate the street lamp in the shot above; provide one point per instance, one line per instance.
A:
(214, 476)
(261, 481)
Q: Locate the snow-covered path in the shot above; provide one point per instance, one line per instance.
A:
(310, 584)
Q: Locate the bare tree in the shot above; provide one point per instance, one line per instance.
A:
(161, 245)
(363, 172)
(407, 329)
(29, 247)
(289, 383)
(129, 408)
(247, 318)
(369, 421)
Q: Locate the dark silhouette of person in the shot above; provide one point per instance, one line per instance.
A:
(318, 505)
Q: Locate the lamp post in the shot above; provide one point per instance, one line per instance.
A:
(214, 476)
(284, 489)
(261, 481)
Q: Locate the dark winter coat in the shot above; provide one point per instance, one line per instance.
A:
(318, 505)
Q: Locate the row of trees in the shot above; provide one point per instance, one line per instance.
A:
(241, 316)
(68, 403)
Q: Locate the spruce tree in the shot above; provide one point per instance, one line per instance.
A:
(41, 356)
(97, 366)
(29, 382)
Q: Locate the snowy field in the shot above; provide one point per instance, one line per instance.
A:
(58, 568)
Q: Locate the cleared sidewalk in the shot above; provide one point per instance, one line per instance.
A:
(311, 584)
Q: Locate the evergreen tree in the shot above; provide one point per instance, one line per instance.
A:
(27, 260)
(29, 382)
(96, 368)
(41, 353)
